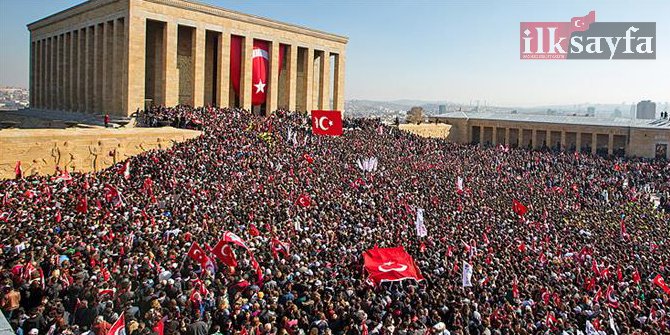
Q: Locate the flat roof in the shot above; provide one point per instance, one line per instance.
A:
(195, 6)
(560, 119)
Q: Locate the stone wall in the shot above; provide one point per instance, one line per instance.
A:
(81, 150)
(428, 130)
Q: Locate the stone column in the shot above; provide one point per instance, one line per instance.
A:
(245, 80)
(578, 141)
(61, 72)
(199, 67)
(563, 141)
(40, 73)
(481, 135)
(338, 82)
(548, 138)
(610, 144)
(31, 73)
(67, 83)
(309, 77)
(272, 95)
(171, 85)
(34, 72)
(51, 71)
(106, 60)
(520, 137)
(97, 68)
(135, 39)
(292, 76)
(118, 66)
(534, 139)
(58, 58)
(594, 143)
(324, 81)
(88, 70)
(223, 70)
(506, 136)
(81, 61)
(494, 135)
(74, 43)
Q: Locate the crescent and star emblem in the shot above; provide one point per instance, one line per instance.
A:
(320, 120)
(579, 23)
(392, 266)
(227, 251)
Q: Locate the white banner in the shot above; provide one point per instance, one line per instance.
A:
(467, 274)
(421, 230)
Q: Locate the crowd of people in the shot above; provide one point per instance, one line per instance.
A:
(582, 259)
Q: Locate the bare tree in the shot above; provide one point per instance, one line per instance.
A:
(415, 115)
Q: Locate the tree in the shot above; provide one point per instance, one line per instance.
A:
(415, 115)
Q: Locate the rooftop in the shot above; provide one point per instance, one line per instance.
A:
(564, 119)
(196, 6)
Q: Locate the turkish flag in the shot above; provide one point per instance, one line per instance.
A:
(519, 208)
(119, 327)
(304, 200)
(390, 264)
(327, 122)
(197, 254)
(660, 282)
(260, 62)
(224, 252)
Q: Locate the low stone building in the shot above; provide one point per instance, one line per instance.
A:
(623, 137)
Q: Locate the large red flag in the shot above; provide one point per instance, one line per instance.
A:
(197, 254)
(327, 122)
(119, 327)
(260, 61)
(390, 264)
(224, 252)
(660, 282)
(519, 208)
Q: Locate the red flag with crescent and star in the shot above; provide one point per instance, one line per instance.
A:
(197, 254)
(260, 61)
(119, 327)
(224, 252)
(390, 264)
(327, 122)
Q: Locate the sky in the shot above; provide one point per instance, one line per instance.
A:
(458, 51)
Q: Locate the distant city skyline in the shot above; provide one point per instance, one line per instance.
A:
(458, 51)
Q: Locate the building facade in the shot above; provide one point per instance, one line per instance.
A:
(623, 137)
(116, 56)
(645, 110)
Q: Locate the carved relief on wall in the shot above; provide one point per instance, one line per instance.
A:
(78, 153)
